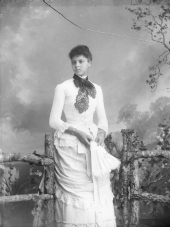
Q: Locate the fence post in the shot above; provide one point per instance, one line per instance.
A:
(134, 180)
(125, 180)
(49, 180)
(130, 180)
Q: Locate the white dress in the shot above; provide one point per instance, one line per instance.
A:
(82, 200)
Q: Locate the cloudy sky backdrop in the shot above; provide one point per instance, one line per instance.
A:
(35, 42)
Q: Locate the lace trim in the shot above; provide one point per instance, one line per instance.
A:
(61, 130)
(65, 140)
(75, 202)
(65, 224)
(82, 100)
(62, 139)
(105, 223)
(80, 203)
(86, 89)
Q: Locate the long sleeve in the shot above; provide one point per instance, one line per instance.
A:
(100, 111)
(57, 108)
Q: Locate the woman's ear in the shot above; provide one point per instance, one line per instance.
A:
(89, 61)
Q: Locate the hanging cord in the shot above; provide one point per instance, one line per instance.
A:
(96, 31)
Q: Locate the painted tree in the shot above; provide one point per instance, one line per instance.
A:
(146, 123)
(153, 16)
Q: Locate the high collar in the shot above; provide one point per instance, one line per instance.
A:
(83, 77)
(80, 82)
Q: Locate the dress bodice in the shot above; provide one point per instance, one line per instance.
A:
(64, 100)
(71, 113)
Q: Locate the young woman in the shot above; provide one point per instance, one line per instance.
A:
(82, 199)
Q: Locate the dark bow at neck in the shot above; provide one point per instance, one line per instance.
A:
(80, 82)
(86, 89)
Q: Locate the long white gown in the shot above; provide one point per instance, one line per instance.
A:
(82, 200)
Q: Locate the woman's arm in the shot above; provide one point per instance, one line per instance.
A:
(55, 117)
(101, 117)
(82, 136)
(55, 121)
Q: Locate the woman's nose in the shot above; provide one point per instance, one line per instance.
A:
(77, 64)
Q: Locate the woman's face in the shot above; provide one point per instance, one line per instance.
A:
(80, 65)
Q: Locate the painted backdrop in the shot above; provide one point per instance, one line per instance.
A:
(34, 46)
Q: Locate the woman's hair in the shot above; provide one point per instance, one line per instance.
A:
(80, 50)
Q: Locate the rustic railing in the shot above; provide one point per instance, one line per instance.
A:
(47, 193)
(131, 193)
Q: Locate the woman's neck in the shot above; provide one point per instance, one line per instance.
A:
(83, 77)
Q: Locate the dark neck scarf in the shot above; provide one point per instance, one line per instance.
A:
(86, 89)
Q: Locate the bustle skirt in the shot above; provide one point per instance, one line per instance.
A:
(80, 200)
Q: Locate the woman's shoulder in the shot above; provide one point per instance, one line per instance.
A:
(64, 85)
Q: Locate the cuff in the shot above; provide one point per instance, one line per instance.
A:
(101, 131)
(62, 129)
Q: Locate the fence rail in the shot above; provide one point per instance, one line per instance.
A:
(130, 192)
(47, 189)
(154, 153)
(31, 158)
(151, 197)
(27, 197)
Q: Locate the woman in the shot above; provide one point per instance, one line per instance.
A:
(82, 199)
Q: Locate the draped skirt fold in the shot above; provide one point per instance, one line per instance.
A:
(80, 200)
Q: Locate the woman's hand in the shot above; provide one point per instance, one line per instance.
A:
(84, 138)
(100, 137)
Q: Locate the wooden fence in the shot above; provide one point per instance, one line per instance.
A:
(130, 193)
(47, 196)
